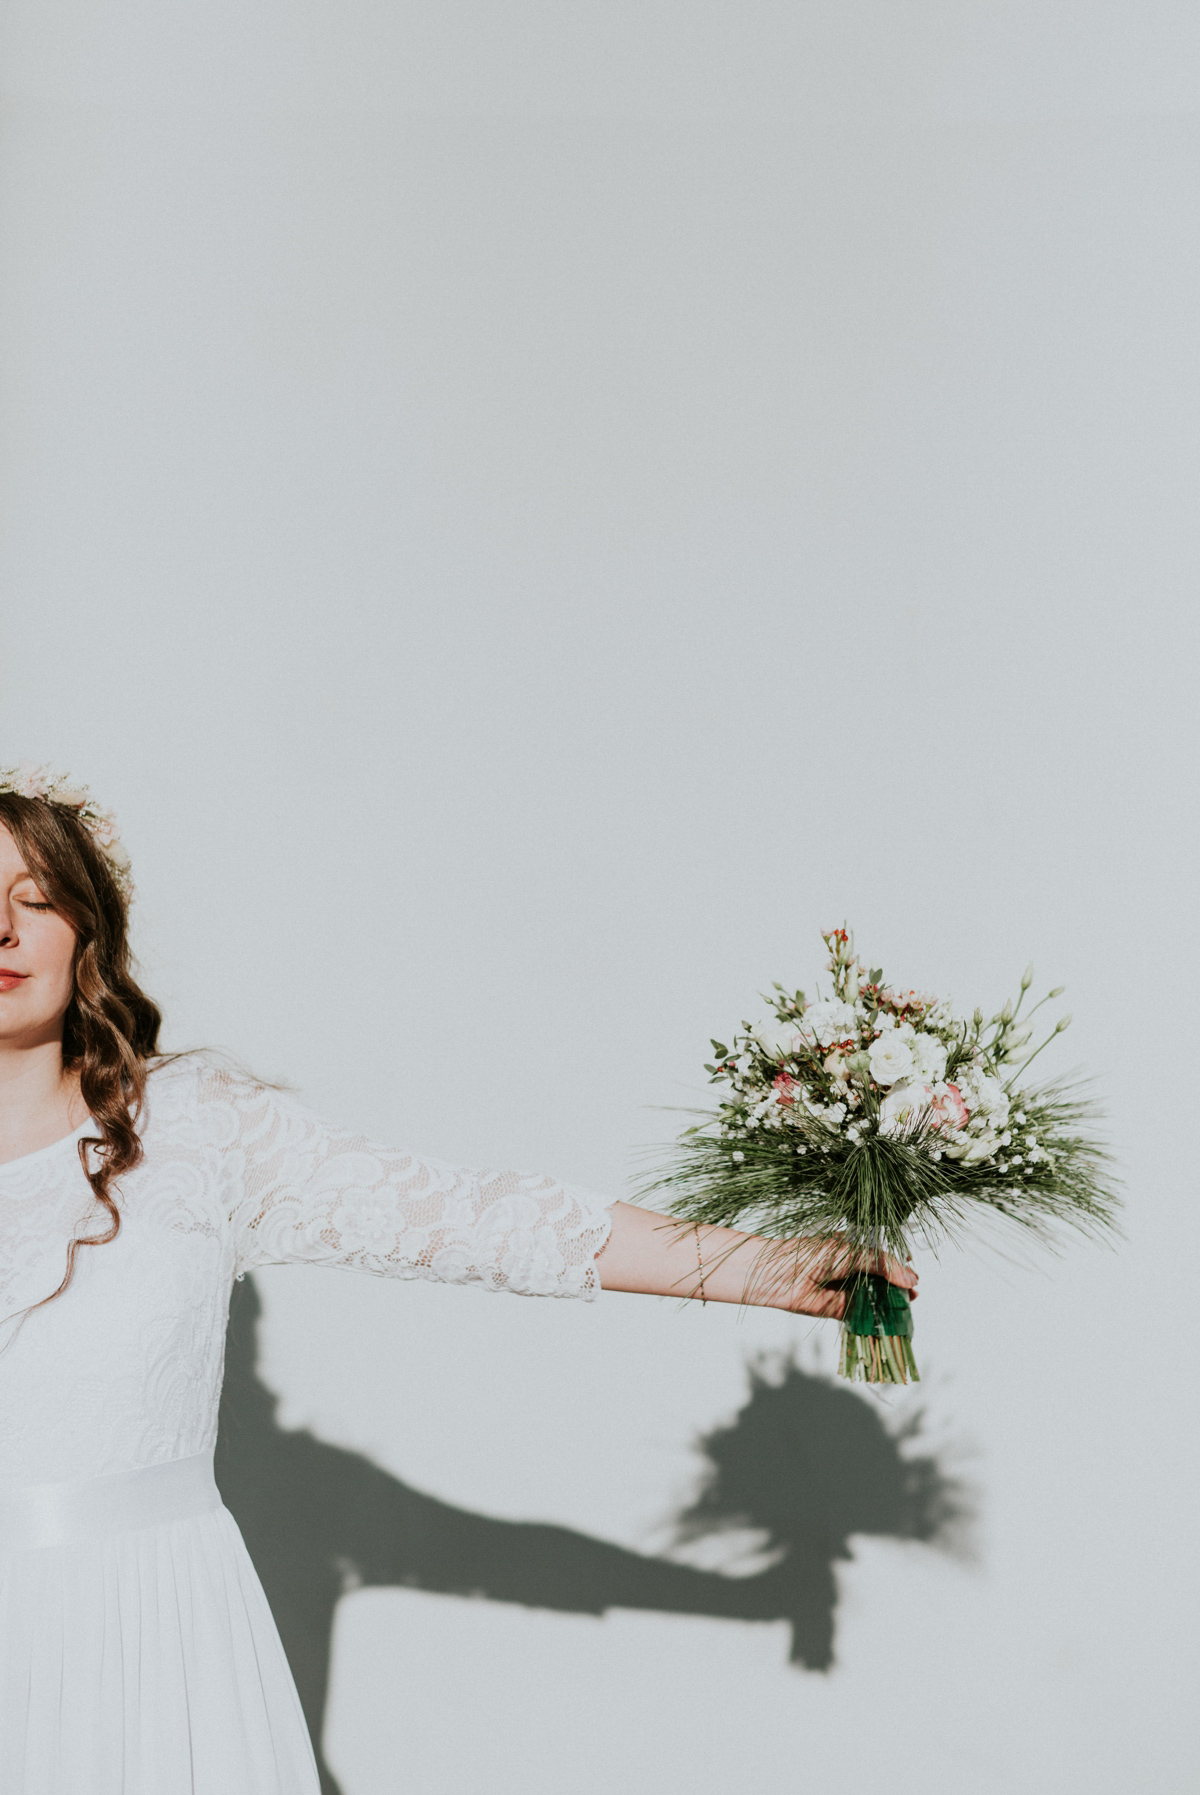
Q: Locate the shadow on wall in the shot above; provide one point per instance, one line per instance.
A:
(805, 1463)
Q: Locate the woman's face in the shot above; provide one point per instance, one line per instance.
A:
(37, 955)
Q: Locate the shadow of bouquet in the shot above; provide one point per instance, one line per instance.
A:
(804, 1466)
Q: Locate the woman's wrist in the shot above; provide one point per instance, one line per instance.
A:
(657, 1255)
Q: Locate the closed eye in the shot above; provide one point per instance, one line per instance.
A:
(28, 904)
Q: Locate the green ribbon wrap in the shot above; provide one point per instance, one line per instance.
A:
(877, 1334)
(879, 1308)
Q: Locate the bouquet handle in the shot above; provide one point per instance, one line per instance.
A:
(877, 1333)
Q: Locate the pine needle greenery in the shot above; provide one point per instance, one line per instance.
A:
(878, 1121)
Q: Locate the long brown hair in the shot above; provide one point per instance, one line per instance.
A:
(111, 1027)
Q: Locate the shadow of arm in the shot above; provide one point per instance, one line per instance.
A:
(398, 1536)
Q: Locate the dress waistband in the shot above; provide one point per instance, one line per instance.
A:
(97, 1508)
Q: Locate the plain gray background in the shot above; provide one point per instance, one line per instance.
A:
(529, 512)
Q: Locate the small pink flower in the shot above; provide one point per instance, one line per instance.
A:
(784, 1089)
(949, 1110)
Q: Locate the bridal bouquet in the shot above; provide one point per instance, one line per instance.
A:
(874, 1118)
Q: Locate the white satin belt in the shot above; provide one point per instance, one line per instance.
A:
(96, 1508)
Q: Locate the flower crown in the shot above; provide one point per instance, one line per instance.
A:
(28, 781)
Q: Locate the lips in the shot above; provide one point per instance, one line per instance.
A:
(9, 980)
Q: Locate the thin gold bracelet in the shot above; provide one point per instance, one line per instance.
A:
(700, 1263)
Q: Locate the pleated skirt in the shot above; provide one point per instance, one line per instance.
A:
(142, 1659)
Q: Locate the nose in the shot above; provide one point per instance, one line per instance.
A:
(8, 925)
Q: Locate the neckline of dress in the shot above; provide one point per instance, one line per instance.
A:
(63, 1140)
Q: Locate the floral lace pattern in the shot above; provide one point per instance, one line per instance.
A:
(311, 1192)
(125, 1368)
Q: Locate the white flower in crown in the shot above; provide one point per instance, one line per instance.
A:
(29, 781)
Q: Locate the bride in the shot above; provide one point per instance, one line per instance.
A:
(137, 1652)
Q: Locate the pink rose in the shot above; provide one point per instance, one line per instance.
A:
(949, 1110)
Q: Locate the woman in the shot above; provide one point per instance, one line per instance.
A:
(137, 1653)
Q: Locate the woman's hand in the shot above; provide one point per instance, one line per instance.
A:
(810, 1276)
(657, 1255)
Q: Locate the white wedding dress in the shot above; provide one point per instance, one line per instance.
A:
(137, 1652)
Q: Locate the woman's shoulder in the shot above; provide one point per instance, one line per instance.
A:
(201, 1079)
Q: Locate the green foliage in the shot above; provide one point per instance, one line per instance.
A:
(888, 1192)
(877, 1120)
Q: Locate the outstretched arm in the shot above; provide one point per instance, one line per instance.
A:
(656, 1255)
(301, 1189)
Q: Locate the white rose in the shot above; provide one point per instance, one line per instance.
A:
(900, 1105)
(891, 1060)
(970, 1151)
(777, 1039)
(830, 1021)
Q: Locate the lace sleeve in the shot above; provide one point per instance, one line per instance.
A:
(301, 1190)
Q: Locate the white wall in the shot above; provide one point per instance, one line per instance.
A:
(529, 512)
